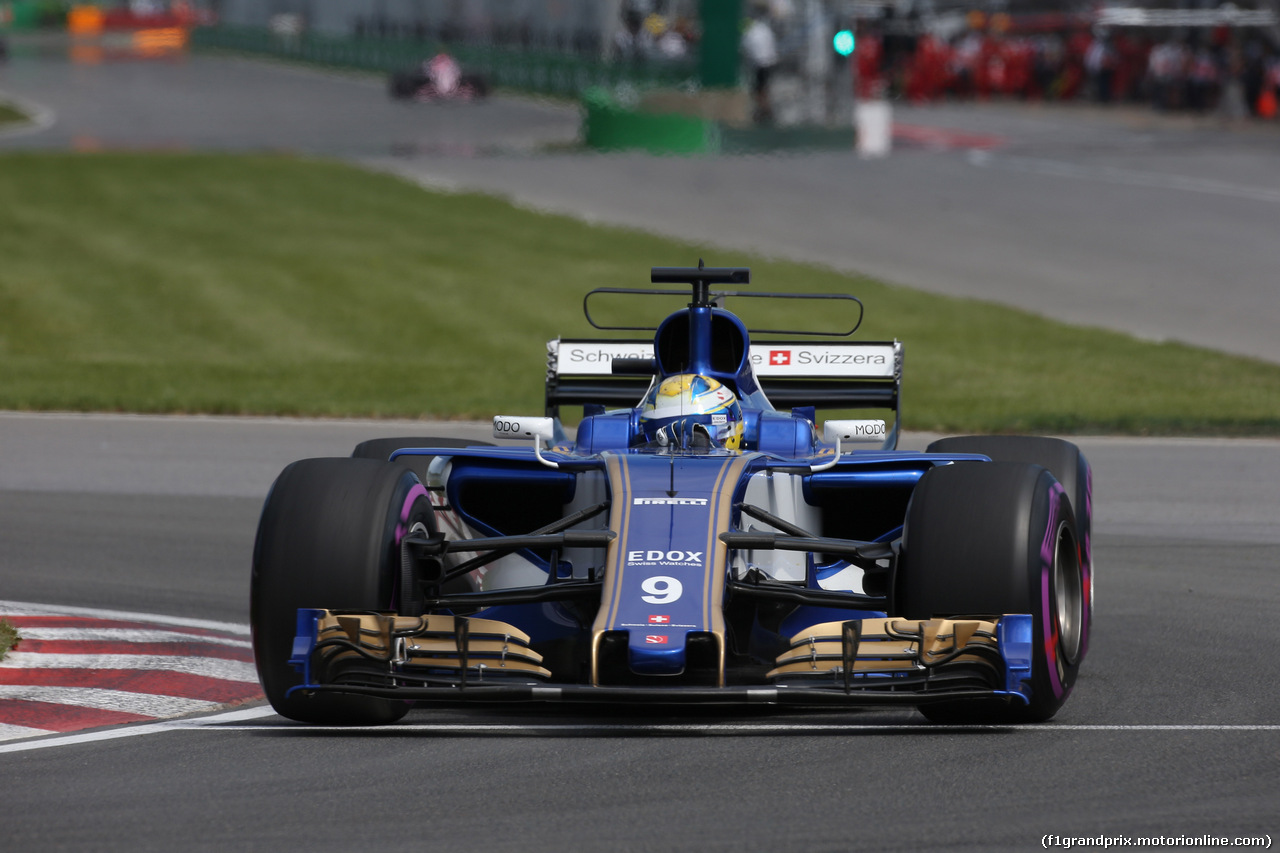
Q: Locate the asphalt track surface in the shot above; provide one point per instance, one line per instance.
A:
(1173, 729)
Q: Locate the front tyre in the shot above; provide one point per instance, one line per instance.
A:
(1063, 459)
(992, 538)
(329, 538)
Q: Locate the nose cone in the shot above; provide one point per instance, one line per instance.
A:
(658, 651)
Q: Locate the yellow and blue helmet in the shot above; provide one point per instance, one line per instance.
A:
(688, 410)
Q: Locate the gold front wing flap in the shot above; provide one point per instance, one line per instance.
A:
(887, 646)
(431, 642)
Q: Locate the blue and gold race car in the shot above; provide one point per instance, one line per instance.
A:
(697, 539)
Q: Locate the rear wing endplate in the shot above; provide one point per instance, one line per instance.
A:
(843, 375)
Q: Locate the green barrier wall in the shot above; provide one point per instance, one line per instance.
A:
(32, 14)
(609, 127)
(530, 71)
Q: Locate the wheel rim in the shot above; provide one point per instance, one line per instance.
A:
(1068, 595)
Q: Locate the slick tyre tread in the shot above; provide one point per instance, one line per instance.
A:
(990, 538)
(327, 539)
(1063, 459)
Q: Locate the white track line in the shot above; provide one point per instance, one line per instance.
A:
(236, 716)
(21, 608)
(227, 670)
(128, 635)
(238, 721)
(11, 732)
(42, 117)
(733, 728)
(143, 704)
(1129, 177)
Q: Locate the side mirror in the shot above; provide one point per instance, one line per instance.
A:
(539, 429)
(837, 432)
(859, 430)
(514, 426)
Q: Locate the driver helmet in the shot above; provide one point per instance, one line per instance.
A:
(689, 409)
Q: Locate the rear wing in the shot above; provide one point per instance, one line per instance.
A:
(792, 374)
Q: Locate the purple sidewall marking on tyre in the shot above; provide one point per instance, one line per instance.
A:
(1048, 552)
(418, 491)
(1086, 566)
(402, 528)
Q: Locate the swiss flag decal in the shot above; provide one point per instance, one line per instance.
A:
(659, 620)
(779, 356)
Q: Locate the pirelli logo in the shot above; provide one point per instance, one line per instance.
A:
(669, 502)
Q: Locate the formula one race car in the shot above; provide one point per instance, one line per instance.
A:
(692, 542)
(439, 78)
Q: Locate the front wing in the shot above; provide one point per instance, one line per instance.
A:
(859, 662)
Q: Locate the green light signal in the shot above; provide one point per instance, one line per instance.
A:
(843, 42)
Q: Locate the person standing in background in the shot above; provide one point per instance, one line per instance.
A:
(760, 48)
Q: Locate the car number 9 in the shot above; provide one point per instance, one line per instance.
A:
(661, 589)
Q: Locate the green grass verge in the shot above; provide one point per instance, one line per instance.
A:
(9, 638)
(275, 285)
